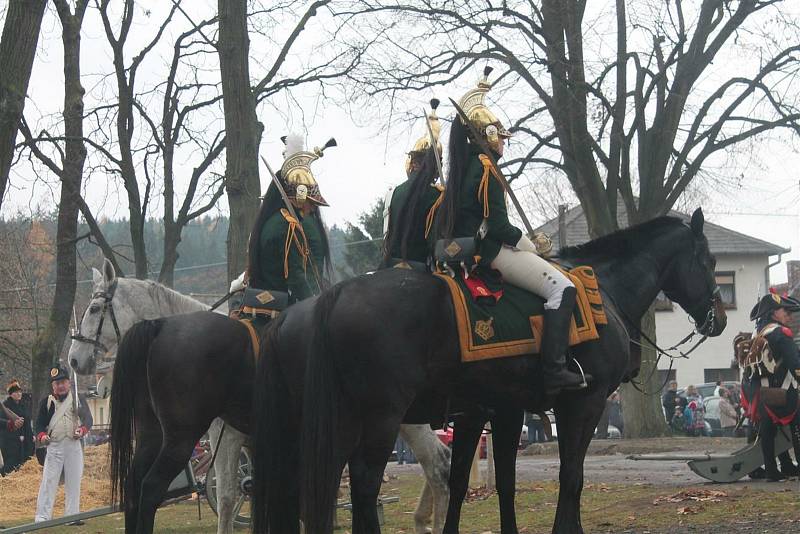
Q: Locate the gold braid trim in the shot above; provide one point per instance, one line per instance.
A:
(291, 237)
(483, 188)
(432, 212)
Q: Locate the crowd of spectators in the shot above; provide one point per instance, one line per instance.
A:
(686, 411)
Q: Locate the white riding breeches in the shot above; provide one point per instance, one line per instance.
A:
(65, 455)
(520, 266)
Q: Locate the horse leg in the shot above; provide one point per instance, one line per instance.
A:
(466, 434)
(226, 467)
(148, 443)
(576, 418)
(367, 464)
(434, 457)
(506, 429)
(171, 460)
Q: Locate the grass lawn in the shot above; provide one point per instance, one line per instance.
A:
(606, 508)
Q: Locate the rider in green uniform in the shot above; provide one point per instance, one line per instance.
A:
(281, 255)
(410, 207)
(475, 205)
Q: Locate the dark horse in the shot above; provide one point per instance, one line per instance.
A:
(172, 377)
(384, 344)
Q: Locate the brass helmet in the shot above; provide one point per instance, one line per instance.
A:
(296, 170)
(481, 117)
(424, 143)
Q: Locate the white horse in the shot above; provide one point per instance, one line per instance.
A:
(117, 303)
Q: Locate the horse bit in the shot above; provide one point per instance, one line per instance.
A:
(108, 306)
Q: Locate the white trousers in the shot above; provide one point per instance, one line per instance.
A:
(65, 455)
(526, 269)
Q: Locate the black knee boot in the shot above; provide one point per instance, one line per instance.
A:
(766, 435)
(554, 347)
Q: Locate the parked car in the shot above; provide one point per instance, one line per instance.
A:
(707, 389)
(446, 437)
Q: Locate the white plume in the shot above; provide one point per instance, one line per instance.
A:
(294, 144)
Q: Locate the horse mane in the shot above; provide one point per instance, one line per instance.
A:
(622, 242)
(168, 298)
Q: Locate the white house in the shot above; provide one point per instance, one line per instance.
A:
(742, 274)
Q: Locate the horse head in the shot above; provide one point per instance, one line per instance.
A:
(691, 281)
(99, 328)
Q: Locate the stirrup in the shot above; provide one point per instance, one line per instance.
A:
(584, 383)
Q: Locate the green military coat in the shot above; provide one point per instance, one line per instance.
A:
(417, 248)
(482, 195)
(284, 252)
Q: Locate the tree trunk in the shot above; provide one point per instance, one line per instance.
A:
(17, 51)
(642, 413)
(172, 238)
(242, 130)
(50, 340)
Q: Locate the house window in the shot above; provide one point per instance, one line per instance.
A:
(727, 288)
(721, 375)
(662, 302)
(102, 421)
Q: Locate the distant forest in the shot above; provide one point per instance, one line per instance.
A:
(201, 266)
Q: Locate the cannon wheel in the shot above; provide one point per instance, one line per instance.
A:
(242, 508)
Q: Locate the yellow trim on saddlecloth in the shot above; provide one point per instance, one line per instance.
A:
(587, 301)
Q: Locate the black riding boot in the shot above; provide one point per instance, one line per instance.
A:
(554, 347)
(766, 436)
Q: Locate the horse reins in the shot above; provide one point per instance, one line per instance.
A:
(108, 306)
(709, 321)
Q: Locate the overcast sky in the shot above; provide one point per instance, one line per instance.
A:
(369, 158)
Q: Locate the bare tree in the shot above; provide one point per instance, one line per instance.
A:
(50, 339)
(623, 118)
(17, 51)
(243, 130)
(180, 101)
(126, 122)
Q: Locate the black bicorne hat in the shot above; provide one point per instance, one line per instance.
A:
(58, 373)
(771, 302)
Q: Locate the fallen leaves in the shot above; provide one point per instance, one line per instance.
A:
(695, 495)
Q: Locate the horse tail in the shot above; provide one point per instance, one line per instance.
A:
(320, 472)
(130, 381)
(268, 433)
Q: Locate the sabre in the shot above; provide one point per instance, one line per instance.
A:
(434, 105)
(291, 210)
(486, 150)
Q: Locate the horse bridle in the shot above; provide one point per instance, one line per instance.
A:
(108, 306)
(708, 323)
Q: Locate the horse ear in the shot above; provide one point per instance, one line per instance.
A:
(97, 278)
(697, 222)
(109, 274)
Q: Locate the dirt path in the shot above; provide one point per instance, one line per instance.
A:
(608, 463)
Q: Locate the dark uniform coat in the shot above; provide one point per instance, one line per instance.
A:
(283, 257)
(16, 450)
(417, 248)
(785, 353)
(481, 194)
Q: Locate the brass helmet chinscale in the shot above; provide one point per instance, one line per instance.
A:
(299, 181)
(424, 143)
(481, 116)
